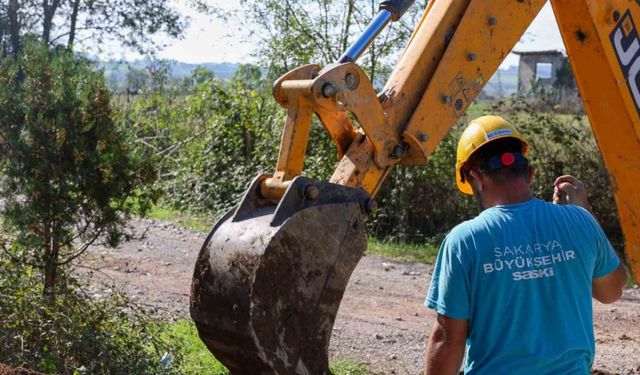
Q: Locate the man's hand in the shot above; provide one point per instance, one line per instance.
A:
(446, 346)
(568, 189)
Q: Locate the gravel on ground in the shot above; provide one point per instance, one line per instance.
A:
(381, 322)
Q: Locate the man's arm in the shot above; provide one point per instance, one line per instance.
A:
(446, 346)
(608, 288)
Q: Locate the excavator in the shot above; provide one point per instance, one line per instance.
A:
(270, 277)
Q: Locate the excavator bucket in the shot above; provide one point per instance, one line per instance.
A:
(269, 278)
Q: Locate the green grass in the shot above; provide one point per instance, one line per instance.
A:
(347, 368)
(630, 281)
(423, 253)
(197, 223)
(195, 359)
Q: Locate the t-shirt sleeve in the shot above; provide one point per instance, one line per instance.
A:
(449, 290)
(606, 260)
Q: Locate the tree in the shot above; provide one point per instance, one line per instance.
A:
(70, 179)
(199, 75)
(291, 33)
(159, 71)
(135, 80)
(250, 75)
(65, 23)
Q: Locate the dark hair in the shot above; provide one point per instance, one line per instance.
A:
(496, 148)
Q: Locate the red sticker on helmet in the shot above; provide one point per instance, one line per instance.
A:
(507, 159)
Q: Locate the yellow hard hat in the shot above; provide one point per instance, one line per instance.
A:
(480, 132)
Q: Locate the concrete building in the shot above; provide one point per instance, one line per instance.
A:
(547, 76)
(538, 66)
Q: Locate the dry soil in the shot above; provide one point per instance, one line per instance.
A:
(381, 321)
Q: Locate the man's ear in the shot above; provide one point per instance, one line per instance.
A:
(531, 171)
(475, 179)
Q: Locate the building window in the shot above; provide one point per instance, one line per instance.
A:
(544, 70)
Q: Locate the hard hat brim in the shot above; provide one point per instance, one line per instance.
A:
(464, 187)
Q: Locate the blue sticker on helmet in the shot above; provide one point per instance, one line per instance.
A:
(497, 133)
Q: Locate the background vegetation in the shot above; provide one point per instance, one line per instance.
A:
(213, 141)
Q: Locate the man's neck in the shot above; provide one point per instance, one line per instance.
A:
(507, 194)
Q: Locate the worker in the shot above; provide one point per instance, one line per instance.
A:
(512, 287)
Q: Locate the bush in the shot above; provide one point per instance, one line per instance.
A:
(241, 129)
(211, 143)
(207, 145)
(564, 144)
(76, 332)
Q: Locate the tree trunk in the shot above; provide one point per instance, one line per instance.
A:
(372, 51)
(72, 27)
(347, 25)
(14, 27)
(4, 32)
(248, 144)
(52, 250)
(47, 23)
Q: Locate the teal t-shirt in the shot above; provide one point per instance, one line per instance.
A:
(521, 274)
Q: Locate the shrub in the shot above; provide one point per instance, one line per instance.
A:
(564, 144)
(77, 331)
(239, 129)
(208, 145)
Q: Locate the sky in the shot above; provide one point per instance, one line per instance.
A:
(208, 39)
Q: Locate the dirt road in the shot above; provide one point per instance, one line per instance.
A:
(381, 321)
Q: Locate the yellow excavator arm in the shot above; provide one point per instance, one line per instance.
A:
(270, 277)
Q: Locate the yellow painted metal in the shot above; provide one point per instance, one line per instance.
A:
(295, 136)
(486, 34)
(403, 90)
(292, 91)
(456, 47)
(358, 168)
(591, 31)
(336, 122)
(354, 93)
(339, 127)
(408, 81)
(301, 95)
(308, 71)
(274, 187)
